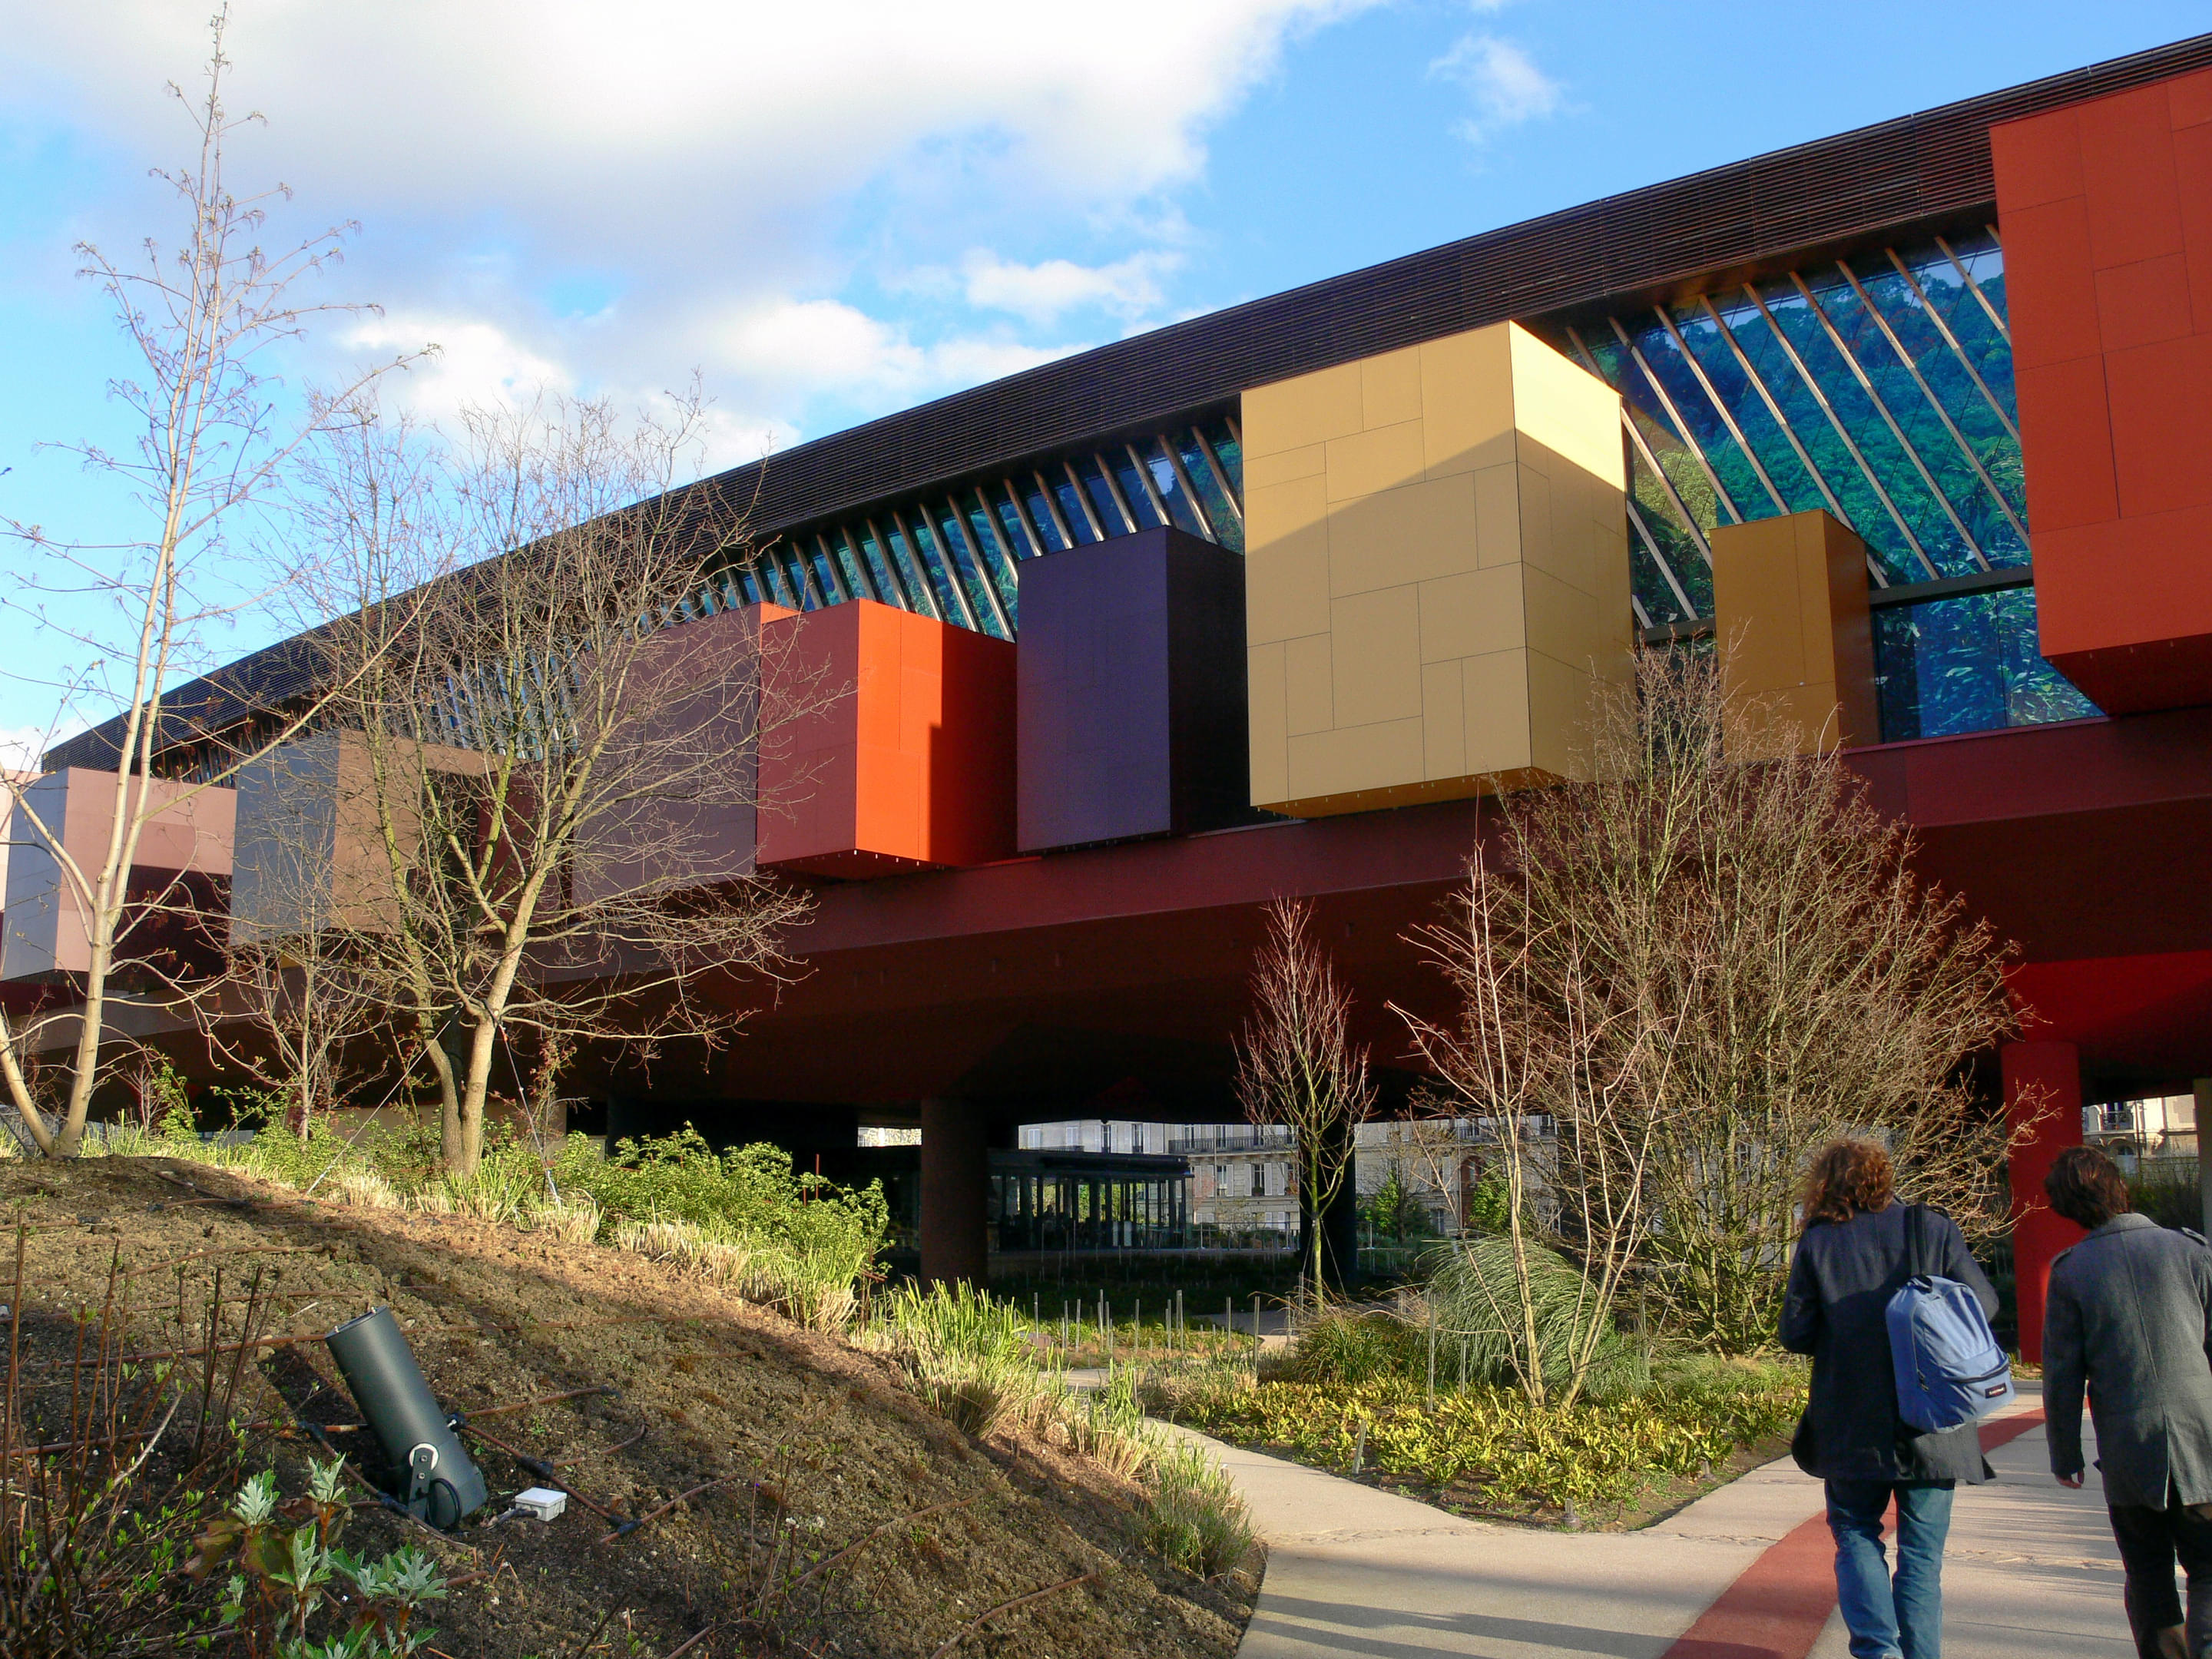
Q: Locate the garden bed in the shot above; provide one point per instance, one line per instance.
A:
(1486, 1453)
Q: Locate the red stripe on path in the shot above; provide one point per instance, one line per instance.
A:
(1780, 1603)
(1778, 1606)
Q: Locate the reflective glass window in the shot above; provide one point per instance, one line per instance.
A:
(827, 579)
(994, 548)
(771, 580)
(1880, 459)
(1040, 516)
(1011, 522)
(1095, 485)
(943, 582)
(1133, 494)
(1228, 527)
(922, 593)
(880, 564)
(795, 574)
(1974, 383)
(1083, 520)
(1966, 664)
(1748, 403)
(1933, 401)
(849, 575)
(1227, 450)
(1707, 430)
(1180, 509)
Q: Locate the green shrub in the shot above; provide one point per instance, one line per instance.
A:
(1355, 1347)
(1192, 1515)
(969, 1358)
(1474, 1299)
(750, 1193)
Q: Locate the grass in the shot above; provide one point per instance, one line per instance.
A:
(984, 1366)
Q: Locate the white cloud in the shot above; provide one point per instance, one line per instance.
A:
(1042, 293)
(709, 171)
(782, 346)
(475, 362)
(1502, 81)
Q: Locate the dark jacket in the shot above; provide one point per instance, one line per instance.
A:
(1835, 1310)
(2130, 1314)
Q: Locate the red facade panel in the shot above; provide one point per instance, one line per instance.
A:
(904, 756)
(2106, 212)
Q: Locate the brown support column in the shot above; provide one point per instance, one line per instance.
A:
(956, 1173)
(2042, 1080)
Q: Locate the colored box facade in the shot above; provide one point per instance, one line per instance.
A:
(309, 853)
(902, 754)
(1438, 573)
(2105, 208)
(1131, 707)
(1789, 603)
(187, 838)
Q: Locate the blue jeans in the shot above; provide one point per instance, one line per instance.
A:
(1891, 1617)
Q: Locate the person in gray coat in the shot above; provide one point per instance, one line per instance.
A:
(2129, 1317)
(1857, 1248)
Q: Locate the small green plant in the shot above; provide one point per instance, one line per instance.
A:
(282, 1559)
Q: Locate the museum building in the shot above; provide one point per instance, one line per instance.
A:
(1265, 602)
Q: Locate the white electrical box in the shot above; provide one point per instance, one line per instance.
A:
(541, 1502)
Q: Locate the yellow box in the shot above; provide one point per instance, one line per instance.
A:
(1789, 611)
(1477, 572)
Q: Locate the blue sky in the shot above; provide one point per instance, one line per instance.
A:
(835, 210)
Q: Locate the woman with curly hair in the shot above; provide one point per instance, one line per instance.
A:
(1856, 1249)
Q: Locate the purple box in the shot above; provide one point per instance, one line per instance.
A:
(1130, 703)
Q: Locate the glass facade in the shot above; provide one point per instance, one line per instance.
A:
(1966, 664)
(952, 554)
(1878, 387)
(1881, 388)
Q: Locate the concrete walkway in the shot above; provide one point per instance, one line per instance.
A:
(1744, 1573)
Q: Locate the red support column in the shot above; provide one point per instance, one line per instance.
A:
(2043, 1079)
(955, 1175)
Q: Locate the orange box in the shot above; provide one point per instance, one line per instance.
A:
(888, 744)
(2107, 229)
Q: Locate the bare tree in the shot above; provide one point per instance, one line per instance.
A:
(1706, 968)
(199, 317)
(1297, 1064)
(1575, 1117)
(549, 791)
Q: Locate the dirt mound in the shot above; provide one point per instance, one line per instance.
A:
(804, 1446)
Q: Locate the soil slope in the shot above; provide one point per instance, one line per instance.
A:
(811, 1440)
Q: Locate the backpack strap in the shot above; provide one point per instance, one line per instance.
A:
(1915, 1241)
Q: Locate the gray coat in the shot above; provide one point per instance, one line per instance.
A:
(1836, 1309)
(2129, 1315)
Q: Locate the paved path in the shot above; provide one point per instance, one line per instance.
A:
(1743, 1573)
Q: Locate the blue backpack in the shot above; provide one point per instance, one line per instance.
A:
(1950, 1370)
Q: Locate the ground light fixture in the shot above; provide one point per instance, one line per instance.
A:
(440, 1483)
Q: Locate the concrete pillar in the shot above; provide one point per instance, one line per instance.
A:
(956, 1174)
(2041, 1079)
